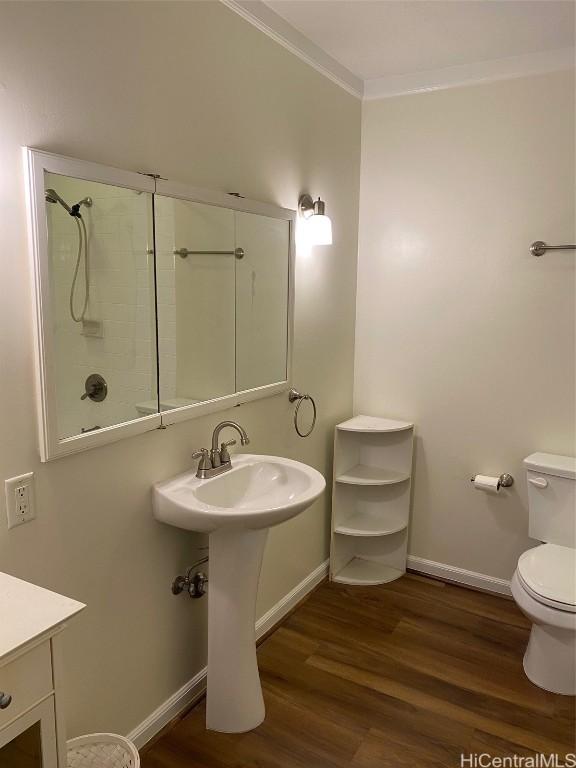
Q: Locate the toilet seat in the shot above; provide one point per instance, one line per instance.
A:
(548, 574)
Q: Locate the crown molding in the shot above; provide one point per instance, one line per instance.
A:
(266, 20)
(470, 74)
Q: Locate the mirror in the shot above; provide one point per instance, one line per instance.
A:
(155, 302)
(222, 300)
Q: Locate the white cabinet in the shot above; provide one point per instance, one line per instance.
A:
(370, 500)
(32, 728)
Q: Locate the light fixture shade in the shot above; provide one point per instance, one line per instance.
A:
(319, 229)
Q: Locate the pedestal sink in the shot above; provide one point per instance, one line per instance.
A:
(236, 508)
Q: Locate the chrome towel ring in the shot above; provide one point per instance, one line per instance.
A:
(294, 395)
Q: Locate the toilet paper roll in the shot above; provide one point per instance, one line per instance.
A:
(487, 483)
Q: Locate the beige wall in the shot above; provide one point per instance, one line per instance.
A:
(193, 92)
(458, 327)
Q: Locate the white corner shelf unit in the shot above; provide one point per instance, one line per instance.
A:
(370, 500)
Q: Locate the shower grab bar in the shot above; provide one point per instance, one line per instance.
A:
(184, 252)
(539, 248)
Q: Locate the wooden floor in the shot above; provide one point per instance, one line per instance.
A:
(412, 673)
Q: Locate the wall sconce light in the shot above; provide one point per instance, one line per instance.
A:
(318, 225)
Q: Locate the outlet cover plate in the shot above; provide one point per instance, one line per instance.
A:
(20, 507)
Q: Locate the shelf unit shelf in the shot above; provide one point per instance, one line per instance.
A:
(367, 524)
(373, 424)
(362, 474)
(371, 500)
(366, 572)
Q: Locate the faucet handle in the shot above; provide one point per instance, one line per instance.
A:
(204, 455)
(224, 455)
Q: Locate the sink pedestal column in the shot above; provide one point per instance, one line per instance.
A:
(234, 699)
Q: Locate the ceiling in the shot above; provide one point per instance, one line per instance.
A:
(385, 38)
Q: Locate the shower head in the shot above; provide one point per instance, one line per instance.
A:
(52, 196)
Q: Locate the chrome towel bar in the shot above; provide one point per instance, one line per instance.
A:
(184, 252)
(539, 248)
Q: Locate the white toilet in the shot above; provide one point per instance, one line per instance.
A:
(544, 585)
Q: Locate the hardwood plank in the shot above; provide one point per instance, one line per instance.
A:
(509, 637)
(557, 729)
(484, 634)
(290, 737)
(294, 645)
(492, 745)
(454, 659)
(470, 667)
(477, 603)
(437, 705)
(380, 750)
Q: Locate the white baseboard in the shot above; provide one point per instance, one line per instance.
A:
(186, 696)
(195, 688)
(459, 575)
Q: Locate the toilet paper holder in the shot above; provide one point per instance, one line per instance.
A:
(504, 481)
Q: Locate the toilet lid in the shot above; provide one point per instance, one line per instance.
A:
(549, 572)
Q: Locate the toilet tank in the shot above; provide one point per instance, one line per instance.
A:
(552, 498)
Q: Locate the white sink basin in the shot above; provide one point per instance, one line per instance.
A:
(258, 492)
(236, 508)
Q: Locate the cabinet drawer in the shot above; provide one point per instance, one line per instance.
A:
(27, 679)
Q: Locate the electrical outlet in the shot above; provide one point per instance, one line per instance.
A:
(20, 499)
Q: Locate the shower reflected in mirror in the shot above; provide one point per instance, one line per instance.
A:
(82, 255)
(101, 267)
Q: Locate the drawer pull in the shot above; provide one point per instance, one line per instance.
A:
(5, 700)
(539, 482)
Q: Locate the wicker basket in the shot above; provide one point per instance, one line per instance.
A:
(102, 750)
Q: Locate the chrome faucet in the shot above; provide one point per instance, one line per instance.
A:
(217, 460)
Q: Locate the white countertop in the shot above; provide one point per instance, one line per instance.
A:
(28, 612)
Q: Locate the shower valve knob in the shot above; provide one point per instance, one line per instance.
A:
(95, 388)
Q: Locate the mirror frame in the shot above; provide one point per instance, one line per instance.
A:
(37, 162)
